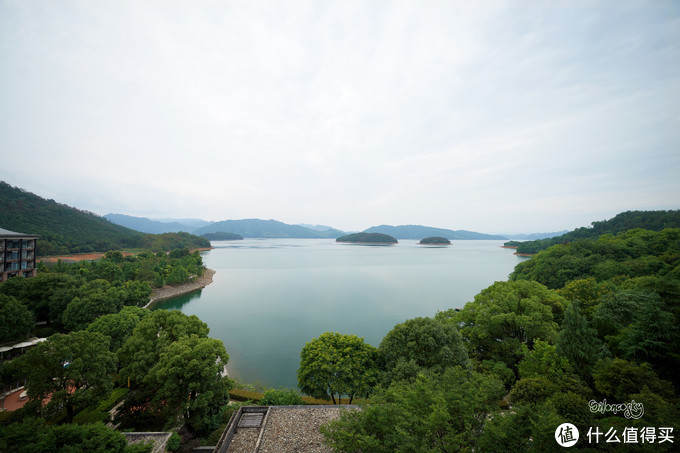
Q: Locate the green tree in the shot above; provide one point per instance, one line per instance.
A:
(543, 360)
(421, 343)
(619, 379)
(435, 413)
(81, 311)
(36, 292)
(578, 342)
(74, 370)
(336, 364)
(652, 336)
(16, 320)
(118, 326)
(142, 350)
(616, 310)
(32, 435)
(587, 291)
(137, 293)
(506, 315)
(524, 429)
(188, 380)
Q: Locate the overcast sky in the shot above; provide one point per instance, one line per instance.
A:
(498, 117)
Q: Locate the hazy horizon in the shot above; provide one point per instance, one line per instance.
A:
(495, 117)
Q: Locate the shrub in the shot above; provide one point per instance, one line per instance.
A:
(245, 395)
(173, 442)
(281, 397)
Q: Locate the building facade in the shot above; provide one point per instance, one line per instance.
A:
(17, 254)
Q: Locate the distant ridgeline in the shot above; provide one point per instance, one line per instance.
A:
(368, 238)
(648, 220)
(64, 229)
(420, 231)
(222, 236)
(247, 228)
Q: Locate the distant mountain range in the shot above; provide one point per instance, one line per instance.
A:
(248, 228)
(257, 228)
(420, 232)
(534, 236)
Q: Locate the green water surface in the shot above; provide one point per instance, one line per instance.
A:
(270, 296)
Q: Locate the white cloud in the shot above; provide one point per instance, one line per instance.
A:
(492, 117)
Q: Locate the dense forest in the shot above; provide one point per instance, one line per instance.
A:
(102, 348)
(63, 229)
(649, 220)
(577, 327)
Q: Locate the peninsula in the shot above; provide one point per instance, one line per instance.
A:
(368, 238)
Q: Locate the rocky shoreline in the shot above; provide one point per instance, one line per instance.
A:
(168, 291)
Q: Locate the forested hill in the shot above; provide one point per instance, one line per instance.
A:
(648, 220)
(64, 229)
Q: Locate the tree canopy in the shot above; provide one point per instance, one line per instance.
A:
(505, 316)
(175, 370)
(436, 413)
(629, 220)
(16, 320)
(73, 370)
(421, 343)
(336, 365)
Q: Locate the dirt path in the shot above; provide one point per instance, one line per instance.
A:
(76, 257)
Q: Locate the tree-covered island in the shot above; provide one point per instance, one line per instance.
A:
(368, 238)
(435, 240)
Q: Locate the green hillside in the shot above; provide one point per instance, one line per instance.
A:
(648, 220)
(64, 229)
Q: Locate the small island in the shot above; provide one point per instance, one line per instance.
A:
(368, 238)
(435, 240)
(222, 236)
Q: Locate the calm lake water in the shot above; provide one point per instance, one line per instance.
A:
(270, 296)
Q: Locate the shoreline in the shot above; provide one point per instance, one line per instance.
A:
(168, 292)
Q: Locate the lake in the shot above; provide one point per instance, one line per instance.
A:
(270, 296)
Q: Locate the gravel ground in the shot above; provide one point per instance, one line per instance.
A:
(244, 441)
(291, 430)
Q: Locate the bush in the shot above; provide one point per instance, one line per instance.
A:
(245, 395)
(173, 442)
(281, 397)
(89, 416)
(144, 447)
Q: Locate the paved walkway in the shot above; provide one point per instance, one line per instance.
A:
(13, 402)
